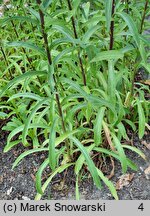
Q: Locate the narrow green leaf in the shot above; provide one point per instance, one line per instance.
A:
(62, 137)
(58, 170)
(134, 149)
(76, 4)
(52, 154)
(96, 101)
(26, 45)
(30, 117)
(89, 33)
(130, 123)
(46, 3)
(26, 95)
(20, 78)
(98, 126)
(108, 55)
(80, 161)
(109, 184)
(3, 115)
(64, 52)
(108, 13)
(65, 31)
(20, 18)
(111, 82)
(142, 120)
(18, 130)
(89, 161)
(118, 157)
(132, 26)
(39, 176)
(120, 152)
(11, 145)
(77, 188)
(26, 153)
(122, 130)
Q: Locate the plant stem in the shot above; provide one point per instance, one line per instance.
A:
(141, 29)
(3, 53)
(23, 49)
(49, 57)
(144, 15)
(127, 6)
(61, 3)
(112, 27)
(76, 37)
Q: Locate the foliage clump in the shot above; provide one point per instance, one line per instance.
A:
(70, 83)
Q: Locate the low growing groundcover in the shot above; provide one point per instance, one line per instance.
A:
(71, 87)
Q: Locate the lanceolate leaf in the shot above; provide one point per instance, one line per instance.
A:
(58, 170)
(18, 130)
(108, 55)
(20, 78)
(132, 26)
(108, 183)
(115, 155)
(79, 163)
(76, 4)
(89, 33)
(26, 45)
(46, 3)
(120, 152)
(96, 101)
(3, 115)
(62, 137)
(77, 188)
(26, 95)
(39, 176)
(136, 150)
(52, 154)
(26, 153)
(29, 119)
(111, 82)
(89, 161)
(98, 126)
(20, 18)
(108, 13)
(142, 120)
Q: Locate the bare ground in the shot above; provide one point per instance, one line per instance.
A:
(20, 182)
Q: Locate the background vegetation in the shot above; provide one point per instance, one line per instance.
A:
(70, 84)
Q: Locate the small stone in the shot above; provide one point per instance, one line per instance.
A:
(9, 191)
(141, 168)
(25, 198)
(108, 194)
(147, 173)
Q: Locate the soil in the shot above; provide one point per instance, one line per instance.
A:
(20, 182)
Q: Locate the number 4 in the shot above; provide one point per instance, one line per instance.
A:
(141, 207)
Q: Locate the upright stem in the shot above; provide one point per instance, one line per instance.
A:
(49, 57)
(112, 27)
(127, 6)
(23, 49)
(144, 15)
(76, 37)
(3, 53)
(61, 4)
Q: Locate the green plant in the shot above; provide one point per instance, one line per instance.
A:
(70, 79)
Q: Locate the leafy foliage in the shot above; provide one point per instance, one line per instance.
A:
(68, 83)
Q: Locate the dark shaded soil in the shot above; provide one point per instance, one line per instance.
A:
(19, 183)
